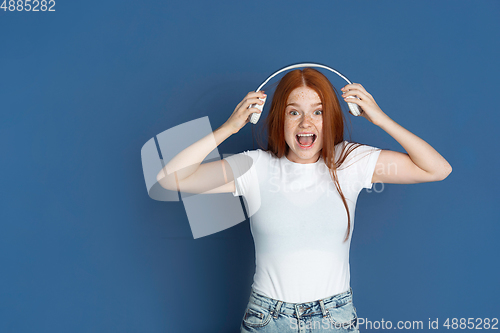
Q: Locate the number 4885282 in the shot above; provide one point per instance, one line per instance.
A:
(28, 5)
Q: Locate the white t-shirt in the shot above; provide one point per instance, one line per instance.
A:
(299, 222)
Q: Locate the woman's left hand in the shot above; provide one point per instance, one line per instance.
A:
(372, 111)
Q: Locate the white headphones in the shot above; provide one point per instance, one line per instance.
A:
(254, 118)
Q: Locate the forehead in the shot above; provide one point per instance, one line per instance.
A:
(303, 94)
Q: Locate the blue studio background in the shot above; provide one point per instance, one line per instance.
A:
(84, 249)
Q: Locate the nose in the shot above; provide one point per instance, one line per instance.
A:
(305, 121)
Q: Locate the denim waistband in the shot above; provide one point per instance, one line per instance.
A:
(301, 309)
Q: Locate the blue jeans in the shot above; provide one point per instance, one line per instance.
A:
(332, 314)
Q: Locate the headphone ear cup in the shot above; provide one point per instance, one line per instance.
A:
(254, 117)
(354, 109)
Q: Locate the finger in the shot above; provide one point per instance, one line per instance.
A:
(253, 110)
(356, 100)
(353, 89)
(360, 94)
(361, 88)
(250, 101)
(260, 94)
(359, 102)
(348, 86)
(352, 86)
(355, 86)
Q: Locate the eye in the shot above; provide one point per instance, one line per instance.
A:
(321, 112)
(293, 111)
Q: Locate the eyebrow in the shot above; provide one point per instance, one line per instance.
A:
(295, 104)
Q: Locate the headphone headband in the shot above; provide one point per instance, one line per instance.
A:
(302, 64)
(353, 107)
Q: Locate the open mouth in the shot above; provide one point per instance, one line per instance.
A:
(305, 141)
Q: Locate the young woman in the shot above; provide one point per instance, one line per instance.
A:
(301, 194)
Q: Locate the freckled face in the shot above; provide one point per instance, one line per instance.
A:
(304, 113)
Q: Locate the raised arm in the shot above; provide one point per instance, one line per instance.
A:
(186, 173)
(422, 163)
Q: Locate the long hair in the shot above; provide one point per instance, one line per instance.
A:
(333, 122)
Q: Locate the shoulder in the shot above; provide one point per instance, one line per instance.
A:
(355, 151)
(254, 155)
(258, 154)
(356, 147)
(246, 159)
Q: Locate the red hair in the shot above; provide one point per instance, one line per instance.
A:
(333, 122)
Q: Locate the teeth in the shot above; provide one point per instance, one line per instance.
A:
(309, 134)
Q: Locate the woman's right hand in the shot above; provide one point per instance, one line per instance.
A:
(241, 114)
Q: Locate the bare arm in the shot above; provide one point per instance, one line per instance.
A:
(186, 173)
(422, 163)
(184, 164)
